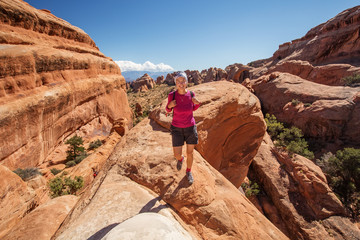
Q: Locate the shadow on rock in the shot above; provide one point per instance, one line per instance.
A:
(149, 207)
(101, 233)
(156, 127)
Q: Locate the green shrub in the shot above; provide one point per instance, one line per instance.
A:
(81, 157)
(62, 185)
(274, 128)
(290, 138)
(95, 144)
(343, 171)
(295, 102)
(70, 164)
(352, 80)
(55, 171)
(250, 189)
(307, 104)
(27, 173)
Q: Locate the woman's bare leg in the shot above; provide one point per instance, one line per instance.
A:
(189, 155)
(177, 152)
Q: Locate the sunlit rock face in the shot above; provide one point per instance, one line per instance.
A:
(53, 80)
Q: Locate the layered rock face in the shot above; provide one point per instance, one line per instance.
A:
(53, 80)
(211, 208)
(143, 84)
(330, 74)
(230, 127)
(298, 189)
(325, 112)
(335, 41)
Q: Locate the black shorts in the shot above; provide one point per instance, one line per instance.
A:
(181, 135)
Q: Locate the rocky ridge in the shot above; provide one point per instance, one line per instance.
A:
(53, 82)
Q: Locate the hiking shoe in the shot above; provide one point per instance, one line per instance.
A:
(190, 177)
(179, 163)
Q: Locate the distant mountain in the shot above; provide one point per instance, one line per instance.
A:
(133, 75)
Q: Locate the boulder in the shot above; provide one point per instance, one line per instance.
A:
(298, 189)
(320, 111)
(111, 202)
(230, 127)
(147, 226)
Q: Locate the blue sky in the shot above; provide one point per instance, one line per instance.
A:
(194, 34)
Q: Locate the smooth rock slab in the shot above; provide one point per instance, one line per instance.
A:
(148, 226)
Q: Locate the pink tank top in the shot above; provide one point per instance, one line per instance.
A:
(183, 111)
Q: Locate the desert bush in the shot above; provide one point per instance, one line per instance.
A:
(55, 171)
(70, 164)
(352, 80)
(62, 185)
(250, 189)
(290, 138)
(27, 173)
(81, 157)
(274, 128)
(343, 173)
(295, 102)
(307, 104)
(95, 144)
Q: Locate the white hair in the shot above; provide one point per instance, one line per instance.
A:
(181, 74)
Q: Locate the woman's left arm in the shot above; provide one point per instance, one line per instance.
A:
(196, 102)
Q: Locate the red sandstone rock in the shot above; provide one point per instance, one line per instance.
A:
(159, 80)
(194, 77)
(328, 115)
(238, 72)
(299, 191)
(138, 109)
(230, 127)
(143, 84)
(16, 200)
(95, 161)
(99, 208)
(53, 80)
(43, 222)
(330, 74)
(211, 208)
(335, 41)
(170, 79)
(214, 74)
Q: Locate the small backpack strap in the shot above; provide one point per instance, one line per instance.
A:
(192, 94)
(174, 95)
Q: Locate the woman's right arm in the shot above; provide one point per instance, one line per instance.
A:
(169, 108)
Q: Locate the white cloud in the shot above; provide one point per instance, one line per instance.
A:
(147, 66)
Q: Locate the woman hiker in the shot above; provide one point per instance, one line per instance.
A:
(183, 128)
